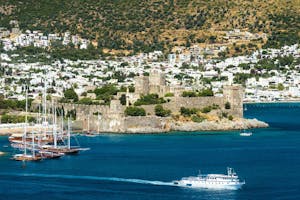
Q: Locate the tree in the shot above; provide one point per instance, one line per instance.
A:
(280, 87)
(70, 94)
(123, 99)
(227, 105)
(149, 99)
(135, 111)
(86, 101)
(189, 94)
(106, 92)
(206, 92)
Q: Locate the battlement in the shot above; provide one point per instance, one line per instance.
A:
(111, 118)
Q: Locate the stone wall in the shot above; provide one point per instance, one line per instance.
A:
(84, 110)
(147, 124)
(188, 102)
(110, 119)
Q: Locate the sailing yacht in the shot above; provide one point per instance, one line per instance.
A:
(25, 156)
(66, 149)
(28, 157)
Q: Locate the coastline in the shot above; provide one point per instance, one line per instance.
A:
(168, 126)
(271, 102)
(224, 125)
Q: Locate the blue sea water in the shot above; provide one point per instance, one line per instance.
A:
(142, 166)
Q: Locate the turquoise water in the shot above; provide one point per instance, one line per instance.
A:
(142, 166)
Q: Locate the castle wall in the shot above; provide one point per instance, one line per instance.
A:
(111, 118)
(144, 124)
(188, 102)
(160, 90)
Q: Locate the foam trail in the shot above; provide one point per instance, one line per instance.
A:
(63, 176)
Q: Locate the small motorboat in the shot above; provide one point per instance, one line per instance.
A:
(246, 134)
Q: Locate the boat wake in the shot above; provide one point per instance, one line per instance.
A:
(115, 179)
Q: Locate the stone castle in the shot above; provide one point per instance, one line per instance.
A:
(155, 83)
(112, 118)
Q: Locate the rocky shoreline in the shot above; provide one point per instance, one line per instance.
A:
(153, 125)
(223, 125)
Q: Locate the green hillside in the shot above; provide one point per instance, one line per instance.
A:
(146, 25)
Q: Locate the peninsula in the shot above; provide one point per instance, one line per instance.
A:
(157, 106)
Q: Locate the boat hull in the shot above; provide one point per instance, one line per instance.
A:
(63, 150)
(209, 185)
(22, 157)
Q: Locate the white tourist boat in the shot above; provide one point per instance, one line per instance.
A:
(212, 181)
(245, 133)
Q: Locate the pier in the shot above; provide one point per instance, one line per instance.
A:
(8, 129)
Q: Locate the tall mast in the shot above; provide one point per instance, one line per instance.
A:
(54, 128)
(33, 151)
(69, 139)
(45, 107)
(62, 123)
(26, 105)
(88, 123)
(25, 127)
(39, 123)
(98, 122)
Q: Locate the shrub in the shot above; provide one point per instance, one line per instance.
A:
(169, 94)
(161, 112)
(185, 111)
(227, 105)
(14, 104)
(206, 109)
(15, 119)
(188, 112)
(280, 87)
(106, 92)
(215, 106)
(86, 101)
(149, 99)
(206, 93)
(189, 94)
(123, 99)
(135, 111)
(202, 93)
(196, 118)
(224, 114)
(230, 117)
(70, 94)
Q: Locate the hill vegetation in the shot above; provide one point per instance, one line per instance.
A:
(130, 26)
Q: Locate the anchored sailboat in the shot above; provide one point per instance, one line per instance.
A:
(25, 156)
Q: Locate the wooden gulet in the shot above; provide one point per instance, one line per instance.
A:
(25, 156)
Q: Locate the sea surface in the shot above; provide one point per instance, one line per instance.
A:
(143, 166)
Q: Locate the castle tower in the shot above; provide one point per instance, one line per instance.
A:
(141, 84)
(234, 94)
(157, 78)
(157, 83)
